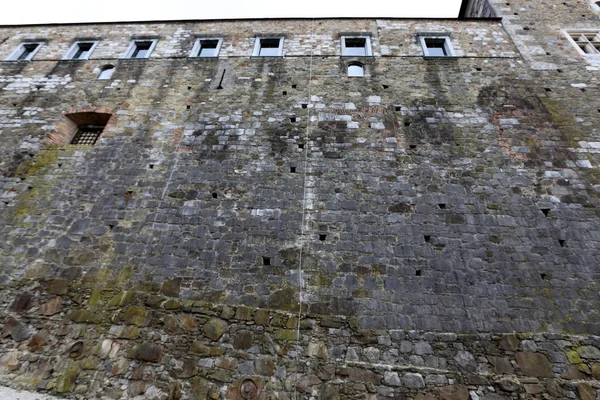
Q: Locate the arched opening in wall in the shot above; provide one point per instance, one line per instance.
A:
(87, 126)
(106, 71)
(356, 69)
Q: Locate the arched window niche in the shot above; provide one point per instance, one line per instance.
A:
(106, 72)
(356, 69)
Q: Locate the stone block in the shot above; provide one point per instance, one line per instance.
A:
(534, 364)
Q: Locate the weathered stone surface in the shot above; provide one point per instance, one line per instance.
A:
(413, 381)
(501, 365)
(214, 329)
(392, 379)
(52, 306)
(23, 302)
(586, 392)
(466, 361)
(16, 329)
(509, 342)
(589, 352)
(148, 352)
(243, 340)
(454, 392)
(534, 364)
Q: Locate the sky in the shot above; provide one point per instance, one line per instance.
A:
(17, 12)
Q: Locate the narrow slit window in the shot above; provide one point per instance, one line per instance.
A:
(269, 47)
(87, 134)
(25, 51)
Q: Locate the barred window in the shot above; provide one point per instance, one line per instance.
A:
(87, 134)
(587, 41)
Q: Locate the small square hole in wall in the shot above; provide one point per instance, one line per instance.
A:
(563, 243)
(548, 54)
(544, 276)
(418, 272)
(478, 69)
(583, 90)
(187, 107)
(427, 238)
(284, 93)
(215, 195)
(266, 260)
(545, 211)
(412, 146)
(189, 88)
(526, 28)
(322, 237)
(293, 170)
(547, 89)
(559, 71)
(292, 119)
(300, 145)
(294, 86)
(385, 86)
(406, 123)
(304, 105)
(398, 108)
(151, 166)
(442, 206)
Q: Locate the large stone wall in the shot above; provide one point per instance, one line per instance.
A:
(320, 235)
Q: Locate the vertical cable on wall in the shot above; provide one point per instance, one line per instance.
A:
(304, 200)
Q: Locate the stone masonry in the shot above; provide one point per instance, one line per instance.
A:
(270, 228)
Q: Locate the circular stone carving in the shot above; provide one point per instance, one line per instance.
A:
(249, 390)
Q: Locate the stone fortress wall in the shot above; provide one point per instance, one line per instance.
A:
(270, 228)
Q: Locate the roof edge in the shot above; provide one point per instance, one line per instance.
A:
(247, 19)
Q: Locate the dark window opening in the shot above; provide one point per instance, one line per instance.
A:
(412, 146)
(87, 134)
(141, 49)
(266, 260)
(544, 276)
(546, 211)
(436, 47)
(28, 49)
(269, 47)
(427, 238)
(418, 272)
(294, 86)
(83, 51)
(322, 237)
(208, 48)
(398, 108)
(304, 105)
(293, 170)
(214, 195)
(442, 206)
(300, 145)
(284, 93)
(562, 243)
(292, 119)
(355, 47)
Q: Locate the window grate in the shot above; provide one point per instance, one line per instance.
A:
(588, 41)
(87, 135)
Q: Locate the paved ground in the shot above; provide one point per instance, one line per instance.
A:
(7, 393)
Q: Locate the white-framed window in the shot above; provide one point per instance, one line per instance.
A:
(436, 45)
(25, 51)
(356, 69)
(106, 72)
(586, 41)
(81, 50)
(356, 46)
(140, 48)
(206, 47)
(268, 46)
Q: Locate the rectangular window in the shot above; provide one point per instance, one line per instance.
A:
(25, 51)
(87, 134)
(140, 48)
(357, 46)
(81, 50)
(436, 46)
(206, 48)
(268, 47)
(588, 42)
